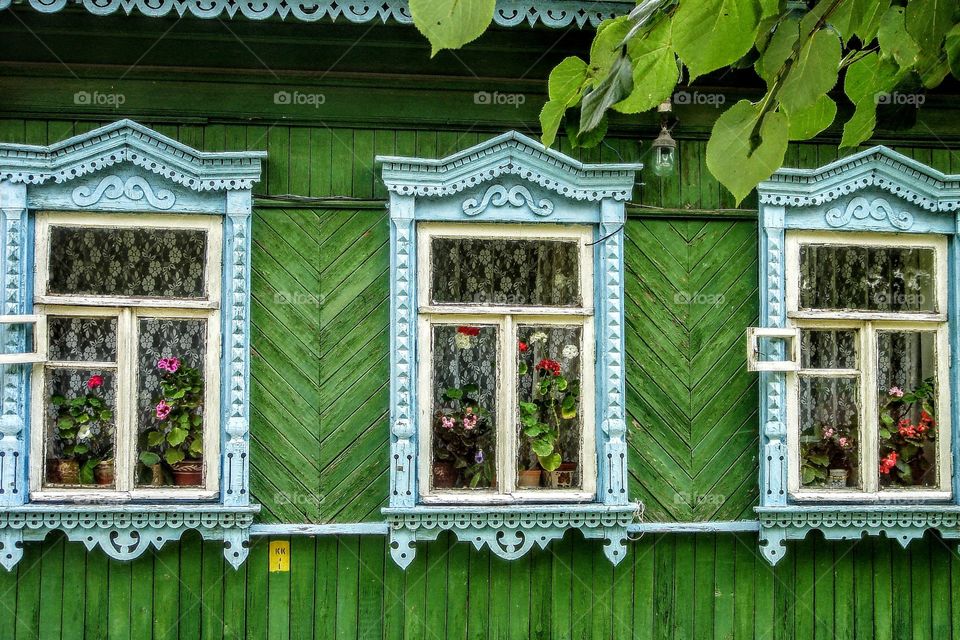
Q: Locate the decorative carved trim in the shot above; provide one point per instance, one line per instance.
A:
(124, 535)
(115, 187)
(126, 141)
(403, 450)
(517, 197)
(860, 208)
(878, 167)
(509, 13)
(509, 533)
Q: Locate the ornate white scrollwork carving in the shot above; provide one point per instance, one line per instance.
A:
(498, 196)
(115, 187)
(860, 208)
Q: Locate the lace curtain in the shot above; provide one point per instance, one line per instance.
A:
(156, 263)
(505, 272)
(867, 278)
(82, 339)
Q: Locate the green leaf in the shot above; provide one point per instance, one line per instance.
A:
(606, 47)
(584, 139)
(177, 436)
(106, 415)
(57, 400)
(173, 456)
(807, 123)
(65, 423)
(550, 117)
(450, 24)
(550, 462)
(808, 475)
(528, 408)
(522, 369)
(532, 431)
(470, 389)
(710, 34)
(953, 50)
(655, 71)
(155, 438)
(813, 72)
(453, 394)
(566, 81)
(866, 80)
(894, 40)
(196, 447)
(149, 458)
(739, 159)
(928, 21)
(612, 88)
(778, 50)
(542, 447)
(568, 409)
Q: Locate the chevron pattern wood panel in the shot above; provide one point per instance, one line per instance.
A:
(691, 290)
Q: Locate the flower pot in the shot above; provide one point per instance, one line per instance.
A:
(68, 472)
(156, 475)
(188, 473)
(838, 478)
(53, 471)
(562, 476)
(103, 473)
(444, 475)
(529, 478)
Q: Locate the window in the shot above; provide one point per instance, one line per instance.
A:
(127, 401)
(507, 389)
(869, 412)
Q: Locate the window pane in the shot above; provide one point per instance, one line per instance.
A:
(170, 397)
(907, 381)
(82, 339)
(867, 278)
(829, 421)
(142, 262)
(464, 406)
(80, 410)
(550, 416)
(507, 272)
(830, 349)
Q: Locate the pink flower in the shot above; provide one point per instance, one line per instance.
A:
(469, 420)
(828, 433)
(168, 364)
(843, 442)
(447, 422)
(163, 410)
(94, 382)
(896, 392)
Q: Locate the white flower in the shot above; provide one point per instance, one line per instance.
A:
(539, 336)
(570, 351)
(462, 341)
(84, 432)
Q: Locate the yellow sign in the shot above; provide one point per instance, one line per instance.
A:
(280, 555)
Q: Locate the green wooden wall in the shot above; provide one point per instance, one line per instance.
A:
(680, 587)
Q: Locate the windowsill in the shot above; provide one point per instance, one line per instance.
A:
(882, 498)
(139, 497)
(534, 496)
(130, 507)
(510, 509)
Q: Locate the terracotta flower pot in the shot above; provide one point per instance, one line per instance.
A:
(103, 473)
(529, 478)
(444, 475)
(188, 473)
(68, 472)
(562, 476)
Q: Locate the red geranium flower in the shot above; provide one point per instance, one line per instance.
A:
(523, 346)
(551, 366)
(94, 382)
(469, 331)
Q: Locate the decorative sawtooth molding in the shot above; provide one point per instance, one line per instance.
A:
(114, 188)
(146, 163)
(518, 197)
(782, 199)
(425, 190)
(877, 167)
(509, 13)
(126, 141)
(509, 154)
(509, 533)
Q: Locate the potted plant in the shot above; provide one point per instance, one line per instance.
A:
(826, 457)
(907, 428)
(177, 438)
(554, 401)
(462, 441)
(84, 427)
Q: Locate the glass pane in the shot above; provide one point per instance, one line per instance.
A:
(170, 397)
(830, 349)
(464, 406)
(867, 278)
(550, 416)
(79, 426)
(907, 380)
(829, 426)
(508, 272)
(155, 263)
(82, 339)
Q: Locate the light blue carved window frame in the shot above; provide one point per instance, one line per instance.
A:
(877, 190)
(508, 179)
(125, 167)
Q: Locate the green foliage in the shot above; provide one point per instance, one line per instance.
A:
(177, 430)
(450, 24)
(555, 400)
(84, 428)
(872, 46)
(463, 436)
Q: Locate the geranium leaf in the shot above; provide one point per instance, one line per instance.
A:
(550, 462)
